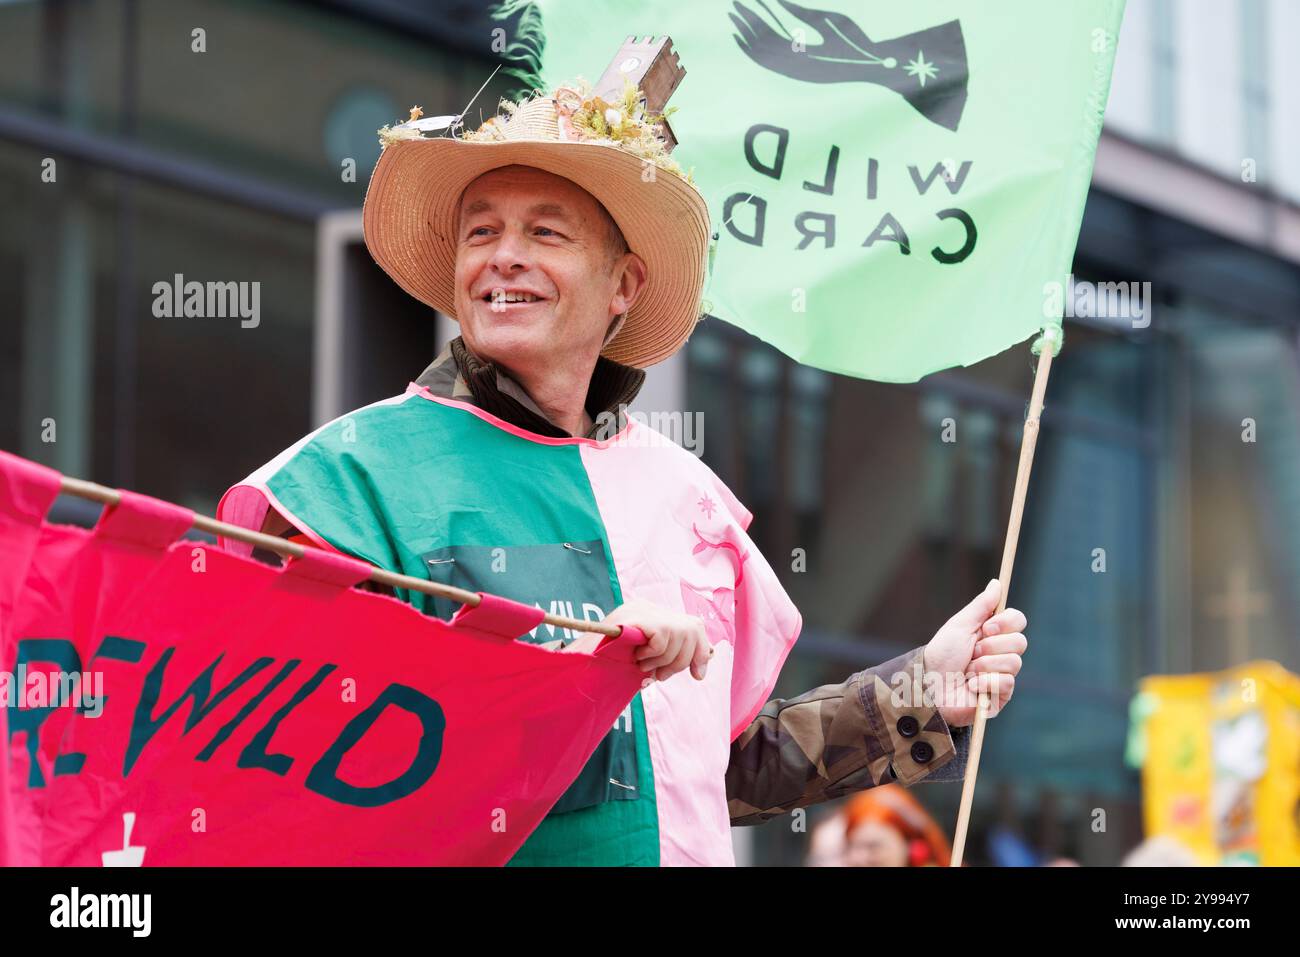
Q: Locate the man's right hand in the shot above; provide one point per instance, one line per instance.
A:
(674, 640)
(977, 652)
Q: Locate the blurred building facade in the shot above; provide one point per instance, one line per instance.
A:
(1162, 530)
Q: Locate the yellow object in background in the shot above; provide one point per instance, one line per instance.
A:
(1221, 763)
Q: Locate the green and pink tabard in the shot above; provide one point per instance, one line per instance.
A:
(437, 488)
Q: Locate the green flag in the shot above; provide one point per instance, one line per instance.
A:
(893, 187)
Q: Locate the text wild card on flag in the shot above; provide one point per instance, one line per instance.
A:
(891, 185)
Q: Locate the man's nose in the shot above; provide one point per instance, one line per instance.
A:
(510, 254)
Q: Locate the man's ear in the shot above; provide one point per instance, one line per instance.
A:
(631, 283)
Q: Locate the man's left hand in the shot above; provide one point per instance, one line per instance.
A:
(976, 651)
(674, 641)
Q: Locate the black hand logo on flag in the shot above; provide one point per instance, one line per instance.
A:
(927, 67)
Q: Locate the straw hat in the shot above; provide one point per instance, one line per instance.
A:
(611, 150)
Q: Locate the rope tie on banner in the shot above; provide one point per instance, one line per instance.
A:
(1053, 334)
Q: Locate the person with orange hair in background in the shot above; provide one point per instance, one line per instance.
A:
(882, 827)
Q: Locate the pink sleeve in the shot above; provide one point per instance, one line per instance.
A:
(767, 622)
(245, 506)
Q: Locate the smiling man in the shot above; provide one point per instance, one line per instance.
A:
(571, 249)
(539, 264)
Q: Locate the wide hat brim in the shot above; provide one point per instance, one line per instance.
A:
(412, 203)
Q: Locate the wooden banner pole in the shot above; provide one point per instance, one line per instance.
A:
(287, 549)
(1027, 443)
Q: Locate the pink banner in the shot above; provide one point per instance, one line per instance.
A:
(170, 703)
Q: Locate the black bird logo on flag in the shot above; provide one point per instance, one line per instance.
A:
(927, 67)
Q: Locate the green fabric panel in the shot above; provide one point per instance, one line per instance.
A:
(391, 483)
(568, 578)
(620, 833)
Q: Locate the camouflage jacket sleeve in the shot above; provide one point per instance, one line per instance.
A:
(838, 739)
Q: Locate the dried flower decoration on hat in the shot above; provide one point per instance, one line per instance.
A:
(584, 117)
(416, 128)
(579, 117)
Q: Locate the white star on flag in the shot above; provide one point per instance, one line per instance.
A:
(920, 69)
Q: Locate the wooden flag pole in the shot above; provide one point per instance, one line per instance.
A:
(1028, 441)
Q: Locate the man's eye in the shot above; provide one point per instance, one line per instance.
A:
(479, 230)
(546, 231)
